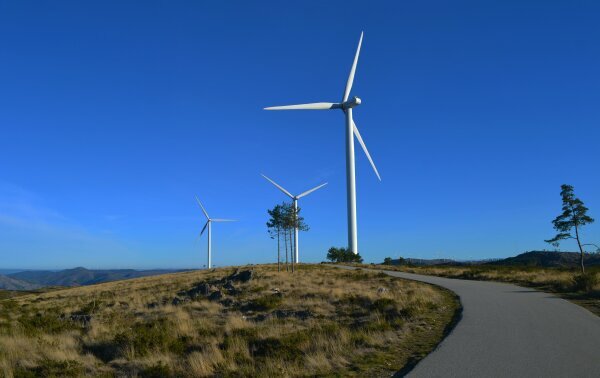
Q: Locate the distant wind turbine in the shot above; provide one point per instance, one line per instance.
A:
(351, 130)
(209, 221)
(295, 199)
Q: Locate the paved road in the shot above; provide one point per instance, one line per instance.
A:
(511, 331)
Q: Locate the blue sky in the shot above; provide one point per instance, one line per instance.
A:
(114, 114)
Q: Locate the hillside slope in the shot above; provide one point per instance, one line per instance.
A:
(10, 283)
(82, 276)
(260, 323)
(549, 259)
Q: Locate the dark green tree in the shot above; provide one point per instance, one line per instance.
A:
(283, 220)
(275, 228)
(387, 261)
(343, 255)
(573, 217)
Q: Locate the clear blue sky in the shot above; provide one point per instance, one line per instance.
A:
(113, 114)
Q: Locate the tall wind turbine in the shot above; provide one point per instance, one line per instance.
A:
(208, 224)
(295, 199)
(346, 106)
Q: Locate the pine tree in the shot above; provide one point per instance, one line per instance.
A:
(573, 217)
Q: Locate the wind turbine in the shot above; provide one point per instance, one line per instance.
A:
(295, 199)
(346, 106)
(208, 224)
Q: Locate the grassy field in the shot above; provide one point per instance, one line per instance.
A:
(567, 283)
(320, 321)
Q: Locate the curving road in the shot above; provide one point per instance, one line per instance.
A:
(511, 331)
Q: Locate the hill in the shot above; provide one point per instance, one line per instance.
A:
(548, 259)
(10, 283)
(422, 262)
(318, 321)
(81, 276)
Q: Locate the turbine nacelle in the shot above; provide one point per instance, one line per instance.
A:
(355, 101)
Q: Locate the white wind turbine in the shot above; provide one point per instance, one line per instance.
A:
(346, 106)
(209, 221)
(295, 199)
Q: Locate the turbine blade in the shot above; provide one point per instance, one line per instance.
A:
(313, 106)
(203, 228)
(202, 207)
(278, 186)
(311, 190)
(352, 71)
(223, 220)
(364, 146)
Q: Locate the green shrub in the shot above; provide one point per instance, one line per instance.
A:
(158, 370)
(90, 308)
(267, 302)
(52, 369)
(343, 255)
(383, 304)
(34, 324)
(287, 347)
(358, 275)
(377, 326)
(585, 282)
(145, 337)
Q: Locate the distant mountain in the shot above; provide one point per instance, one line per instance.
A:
(81, 276)
(423, 262)
(549, 259)
(10, 271)
(9, 283)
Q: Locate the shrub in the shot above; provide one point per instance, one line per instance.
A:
(267, 302)
(145, 337)
(343, 255)
(34, 324)
(287, 347)
(585, 282)
(383, 304)
(52, 369)
(158, 370)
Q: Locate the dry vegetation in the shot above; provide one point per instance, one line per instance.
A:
(568, 283)
(320, 321)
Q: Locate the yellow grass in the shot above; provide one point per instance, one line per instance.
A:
(318, 321)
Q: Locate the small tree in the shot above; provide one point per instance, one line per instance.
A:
(387, 261)
(573, 217)
(343, 255)
(275, 227)
(283, 220)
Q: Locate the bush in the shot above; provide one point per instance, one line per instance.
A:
(287, 347)
(52, 369)
(343, 255)
(585, 282)
(145, 337)
(53, 323)
(158, 370)
(267, 302)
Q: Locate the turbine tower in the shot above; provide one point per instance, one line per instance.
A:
(208, 224)
(346, 106)
(295, 199)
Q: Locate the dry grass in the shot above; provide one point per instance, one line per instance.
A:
(319, 321)
(568, 283)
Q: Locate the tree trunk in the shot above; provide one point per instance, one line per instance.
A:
(286, 250)
(580, 249)
(293, 254)
(278, 252)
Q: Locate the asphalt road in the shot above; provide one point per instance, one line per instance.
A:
(511, 331)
